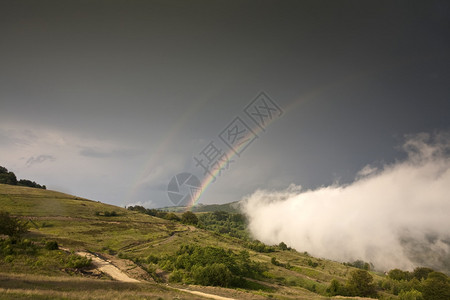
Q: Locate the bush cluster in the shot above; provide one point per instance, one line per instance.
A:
(360, 283)
(76, 261)
(422, 283)
(360, 264)
(260, 247)
(222, 222)
(188, 217)
(107, 213)
(12, 226)
(210, 266)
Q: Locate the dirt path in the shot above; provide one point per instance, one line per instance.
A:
(206, 295)
(107, 267)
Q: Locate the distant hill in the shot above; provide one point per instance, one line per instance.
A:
(232, 207)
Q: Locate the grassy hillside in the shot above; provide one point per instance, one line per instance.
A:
(155, 245)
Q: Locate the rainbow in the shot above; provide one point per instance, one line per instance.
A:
(175, 131)
(209, 178)
(177, 128)
(257, 130)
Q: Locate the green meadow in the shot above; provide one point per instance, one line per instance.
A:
(214, 256)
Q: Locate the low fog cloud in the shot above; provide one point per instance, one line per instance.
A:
(397, 216)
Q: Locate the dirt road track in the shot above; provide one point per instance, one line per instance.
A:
(107, 267)
(206, 295)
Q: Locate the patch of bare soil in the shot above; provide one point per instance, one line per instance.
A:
(127, 266)
(107, 267)
(221, 293)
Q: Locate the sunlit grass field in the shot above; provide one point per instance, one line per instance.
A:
(80, 224)
(20, 286)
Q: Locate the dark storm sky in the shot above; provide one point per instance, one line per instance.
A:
(110, 99)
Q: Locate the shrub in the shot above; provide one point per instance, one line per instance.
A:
(410, 295)
(436, 287)
(360, 284)
(398, 274)
(282, 246)
(176, 276)
(274, 261)
(12, 226)
(172, 217)
(311, 263)
(110, 213)
(11, 246)
(201, 263)
(360, 264)
(189, 218)
(152, 259)
(335, 288)
(259, 247)
(215, 274)
(51, 245)
(421, 272)
(76, 261)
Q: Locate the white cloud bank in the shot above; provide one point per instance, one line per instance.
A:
(398, 216)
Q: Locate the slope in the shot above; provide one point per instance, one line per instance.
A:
(134, 240)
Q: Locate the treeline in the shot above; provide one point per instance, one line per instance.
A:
(10, 178)
(187, 217)
(231, 224)
(360, 264)
(421, 284)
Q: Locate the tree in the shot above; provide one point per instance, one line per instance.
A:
(421, 272)
(173, 217)
(410, 295)
(8, 177)
(29, 183)
(11, 226)
(215, 274)
(436, 287)
(398, 274)
(282, 246)
(189, 218)
(335, 288)
(360, 284)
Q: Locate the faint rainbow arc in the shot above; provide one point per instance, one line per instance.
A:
(296, 102)
(315, 93)
(209, 179)
(160, 149)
